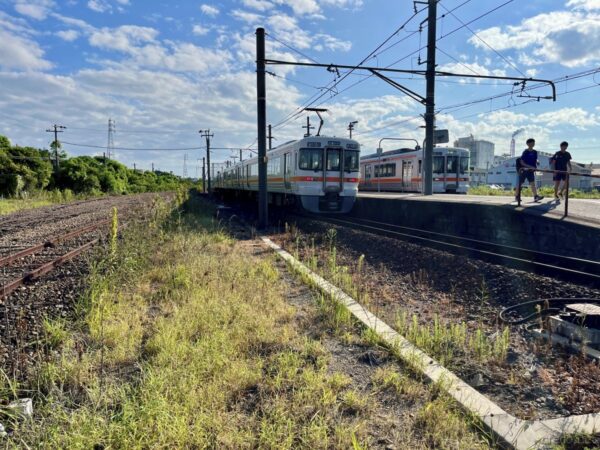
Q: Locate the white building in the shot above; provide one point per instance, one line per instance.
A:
(482, 152)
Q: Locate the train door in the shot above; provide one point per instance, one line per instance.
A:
(332, 175)
(452, 173)
(287, 170)
(406, 175)
(367, 174)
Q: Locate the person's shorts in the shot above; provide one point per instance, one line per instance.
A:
(559, 176)
(527, 175)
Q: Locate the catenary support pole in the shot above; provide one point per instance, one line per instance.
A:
(430, 100)
(261, 109)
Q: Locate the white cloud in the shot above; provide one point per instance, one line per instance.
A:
(209, 10)
(248, 17)
(98, 5)
(577, 117)
(287, 28)
(332, 43)
(199, 30)
(259, 5)
(563, 37)
(36, 9)
(124, 38)
(68, 35)
(21, 53)
(301, 7)
(472, 68)
(588, 5)
(102, 6)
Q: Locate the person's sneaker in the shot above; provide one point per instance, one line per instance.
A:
(537, 198)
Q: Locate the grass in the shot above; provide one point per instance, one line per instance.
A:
(546, 191)
(448, 343)
(183, 340)
(37, 200)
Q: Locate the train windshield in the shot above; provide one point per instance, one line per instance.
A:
(452, 164)
(464, 164)
(351, 161)
(333, 159)
(438, 164)
(310, 159)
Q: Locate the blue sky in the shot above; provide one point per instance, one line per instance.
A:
(164, 70)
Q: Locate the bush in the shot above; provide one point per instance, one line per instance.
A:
(26, 169)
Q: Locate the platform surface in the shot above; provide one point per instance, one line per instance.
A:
(585, 211)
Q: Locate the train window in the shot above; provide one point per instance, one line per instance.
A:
(452, 164)
(438, 164)
(274, 166)
(351, 161)
(310, 159)
(333, 159)
(254, 170)
(464, 164)
(385, 170)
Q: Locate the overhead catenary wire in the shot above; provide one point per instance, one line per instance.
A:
(510, 63)
(149, 149)
(337, 81)
(295, 115)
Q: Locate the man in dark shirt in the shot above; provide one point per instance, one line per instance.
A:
(561, 163)
(529, 163)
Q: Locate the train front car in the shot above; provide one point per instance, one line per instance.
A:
(327, 174)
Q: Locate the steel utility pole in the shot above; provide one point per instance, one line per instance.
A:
(430, 100)
(203, 174)
(56, 129)
(206, 134)
(240, 155)
(261, 108)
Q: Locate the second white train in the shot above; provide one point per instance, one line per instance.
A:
(402, 170)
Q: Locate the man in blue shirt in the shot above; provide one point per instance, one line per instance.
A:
(529, 163)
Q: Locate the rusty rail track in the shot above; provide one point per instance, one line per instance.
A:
(50, 243)
(36, 273)
(11, 286)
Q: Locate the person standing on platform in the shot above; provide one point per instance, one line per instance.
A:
(529, 163)
(561, 163)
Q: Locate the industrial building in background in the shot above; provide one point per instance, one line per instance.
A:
(481, 152)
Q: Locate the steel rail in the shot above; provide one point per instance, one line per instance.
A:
(50, 243)
(10, 287)
(524, 260)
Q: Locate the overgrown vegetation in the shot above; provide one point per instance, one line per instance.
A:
(184, 341)
(27, 172)
(447, 342)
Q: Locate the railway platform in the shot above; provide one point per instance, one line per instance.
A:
(584, 211)
(495, 219)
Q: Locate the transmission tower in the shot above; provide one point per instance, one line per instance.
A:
(185, 158)
(110, 146)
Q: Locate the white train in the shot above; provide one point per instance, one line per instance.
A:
(401, 170)
(320, 173)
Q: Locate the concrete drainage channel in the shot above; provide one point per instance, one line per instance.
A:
(517, 433)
